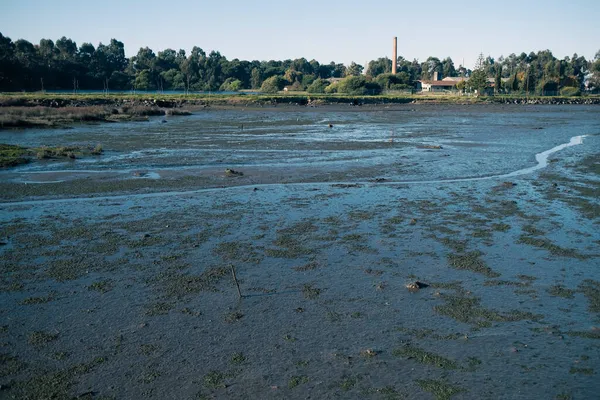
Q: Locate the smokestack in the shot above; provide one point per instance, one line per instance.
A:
(395, 59)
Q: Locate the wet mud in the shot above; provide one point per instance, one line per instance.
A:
(425, 252)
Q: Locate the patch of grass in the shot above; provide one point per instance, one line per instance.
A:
(473, 362)
(180, 285)
(233, 317)
(505, 283)
(11, 155)
(526, 277)
(458, 246)
(237, 251)
(101, 286)
(429, 333)
(468, 310)
(549, 246)
(594, 334)
(591, 290)
(41, 338)
(148, 348)
(310, 292)
(10, 365)
(501, 227)
(306, 267)
(561, 291)
(289, 338)
(237, 358)
(532, 230)
(581, 371)
(297, 380)
(424, 357)
(441, 389)
(471, 262)
(215, 380)
(159, 308)
(37, 300)
(348, 383)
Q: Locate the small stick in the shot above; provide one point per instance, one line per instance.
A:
(237, 284)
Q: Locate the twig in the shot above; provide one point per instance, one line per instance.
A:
(237, 284)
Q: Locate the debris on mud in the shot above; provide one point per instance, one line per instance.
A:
(232, 172)
(416, 285)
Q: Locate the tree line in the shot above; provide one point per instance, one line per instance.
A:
(62, 65)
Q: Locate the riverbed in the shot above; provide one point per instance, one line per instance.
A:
(414, 251)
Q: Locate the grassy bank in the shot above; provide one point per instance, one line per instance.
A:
(174, 100)
(55, 110)
(11, 155)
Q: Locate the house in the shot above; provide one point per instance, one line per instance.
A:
(436, 85)
(448, 84)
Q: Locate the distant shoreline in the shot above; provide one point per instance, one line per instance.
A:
(46, 110)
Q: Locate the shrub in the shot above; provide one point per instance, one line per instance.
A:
(231, 85)
(272, 84)
(570, 91)
(318, 86)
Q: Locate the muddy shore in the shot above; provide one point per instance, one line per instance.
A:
(117, 268)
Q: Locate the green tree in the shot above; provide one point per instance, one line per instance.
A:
(379, 66)
(318, 86)
(231, 85)
(255, 78)
(498, 80)
(272, 84)
(354, 69)
(478, 79)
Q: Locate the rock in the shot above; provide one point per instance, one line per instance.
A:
(416, 285)
(232, 172)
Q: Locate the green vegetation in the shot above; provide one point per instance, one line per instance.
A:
(471, 262)
(40, 338)
(11, 155)
(215, 380)
(297, 380)
(591, 290)
(546, 244)
(468, 310)
(62, 64)
(561, 291)
(424, 357)
(441, 389)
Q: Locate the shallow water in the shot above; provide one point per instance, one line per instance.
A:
(325, 229)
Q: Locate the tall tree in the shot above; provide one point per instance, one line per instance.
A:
(478, 79)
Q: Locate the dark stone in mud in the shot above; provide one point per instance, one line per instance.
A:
(232, 172)
(414, 286)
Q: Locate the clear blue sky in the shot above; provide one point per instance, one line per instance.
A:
(326, 30)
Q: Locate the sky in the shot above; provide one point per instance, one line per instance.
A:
(326, 30)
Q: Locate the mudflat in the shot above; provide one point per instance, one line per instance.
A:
(411, 251)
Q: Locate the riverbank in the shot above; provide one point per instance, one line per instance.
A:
(22, 110)
(241, 99)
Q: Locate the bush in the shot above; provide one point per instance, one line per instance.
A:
(358, 85)
(570, 91)
(272, 85)
(231, 85)
(318, 86)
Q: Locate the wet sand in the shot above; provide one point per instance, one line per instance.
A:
(116, 269)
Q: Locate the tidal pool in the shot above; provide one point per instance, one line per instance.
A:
(116, 270)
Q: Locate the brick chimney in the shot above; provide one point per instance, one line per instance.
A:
(395, 56)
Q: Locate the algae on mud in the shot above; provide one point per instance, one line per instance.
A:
(141, 279)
